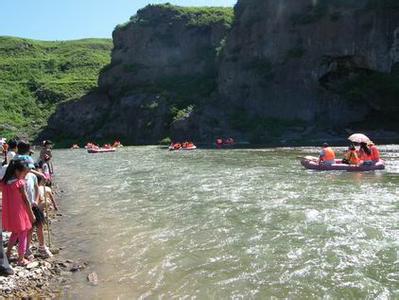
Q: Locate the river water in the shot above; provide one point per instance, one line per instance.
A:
(227, 224)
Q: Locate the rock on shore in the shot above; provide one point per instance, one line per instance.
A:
(41, 278)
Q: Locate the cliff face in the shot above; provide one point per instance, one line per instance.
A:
(163, 42)
(295, 66)
(163, 68)
(296, 59)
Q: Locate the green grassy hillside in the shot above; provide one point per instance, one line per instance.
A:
(194, 16)
(36, 75)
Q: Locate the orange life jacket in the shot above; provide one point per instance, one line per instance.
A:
(364, 156)
(329, 154)
(352, 158)
(375, 153)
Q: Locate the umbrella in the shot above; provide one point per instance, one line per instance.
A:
(359, 138)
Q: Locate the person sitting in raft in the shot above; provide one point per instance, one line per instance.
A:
(375, 153)
(229, 141)
(327, 155)
(351, 157)
(364, 154)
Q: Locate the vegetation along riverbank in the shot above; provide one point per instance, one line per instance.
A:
(35, 76)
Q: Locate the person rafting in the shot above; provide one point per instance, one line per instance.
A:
(365, 154)
(375, 153)
(327, 155)
(229, 141)
(219, 143)
(351, 157)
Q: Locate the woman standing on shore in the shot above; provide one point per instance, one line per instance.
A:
(17, 215)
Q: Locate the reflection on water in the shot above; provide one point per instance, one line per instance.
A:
(228, 224)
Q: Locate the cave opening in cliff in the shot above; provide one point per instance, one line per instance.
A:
(342, 69)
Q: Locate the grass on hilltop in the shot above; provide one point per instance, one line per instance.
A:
(192, 16)
(37, 75)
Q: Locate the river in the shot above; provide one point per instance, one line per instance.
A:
(227, 224)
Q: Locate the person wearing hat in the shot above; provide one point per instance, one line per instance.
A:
(327, 155)
(23, 152)
(375, 153)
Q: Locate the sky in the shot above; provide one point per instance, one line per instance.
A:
(75, 19)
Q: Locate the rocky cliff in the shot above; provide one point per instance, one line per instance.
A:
(312, 61)
(288, 66)
(163, 70)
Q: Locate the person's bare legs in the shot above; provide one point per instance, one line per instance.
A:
(43, 250)
(30, 234)
(11, 243)
(40, 235)
(22, 241)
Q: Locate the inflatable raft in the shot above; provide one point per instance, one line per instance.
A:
(183, 149)
(312, 164)
(100, 150)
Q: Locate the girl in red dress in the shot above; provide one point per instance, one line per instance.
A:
(17, 215)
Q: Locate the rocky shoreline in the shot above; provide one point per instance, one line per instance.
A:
(42, 278)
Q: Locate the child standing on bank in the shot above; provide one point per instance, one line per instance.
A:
(45, 194)
(45, 168)
(46, 151)
(17, 215)
(32, 192)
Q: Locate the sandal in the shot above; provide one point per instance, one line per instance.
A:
(45, 252)
(10, 257)
(29, 255)
(23, 263)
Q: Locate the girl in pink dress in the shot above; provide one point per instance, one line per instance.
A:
(17, 215)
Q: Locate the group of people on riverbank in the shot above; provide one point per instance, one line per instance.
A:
(365, 154)
(26, 197)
